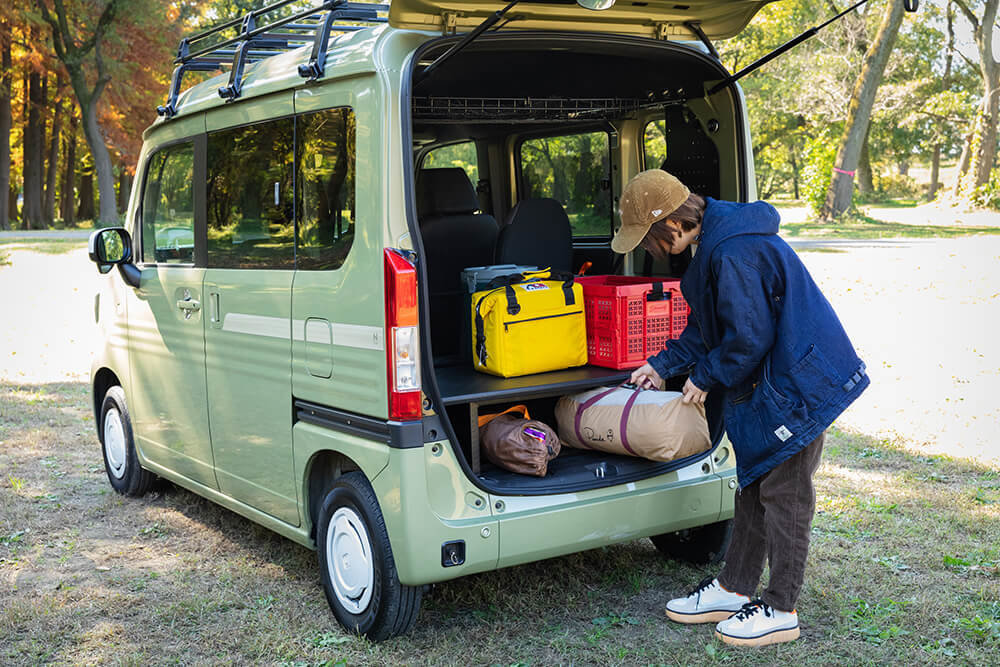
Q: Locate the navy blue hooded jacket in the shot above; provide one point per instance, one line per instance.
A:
(761, 330)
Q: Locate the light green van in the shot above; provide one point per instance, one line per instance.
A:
(284, 331)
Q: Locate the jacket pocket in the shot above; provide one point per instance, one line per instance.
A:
(815, 379)
(780, 417)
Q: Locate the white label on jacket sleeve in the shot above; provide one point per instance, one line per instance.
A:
(783, 433)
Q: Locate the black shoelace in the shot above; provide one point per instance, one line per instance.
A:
(704, 585)
(751, 608)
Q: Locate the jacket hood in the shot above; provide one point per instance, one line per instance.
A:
(725, 219)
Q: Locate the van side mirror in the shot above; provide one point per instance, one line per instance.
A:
(911, 5)
(110, 246)
(596, 5)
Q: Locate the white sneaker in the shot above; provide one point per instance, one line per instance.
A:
(758, 624)
(707, 603)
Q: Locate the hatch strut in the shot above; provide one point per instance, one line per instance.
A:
(909, 5)
(476, 32)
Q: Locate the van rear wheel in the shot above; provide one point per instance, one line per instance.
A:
(121, 462)
(702, 545)
(356, 565)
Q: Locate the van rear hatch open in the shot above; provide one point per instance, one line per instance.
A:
(662, 19)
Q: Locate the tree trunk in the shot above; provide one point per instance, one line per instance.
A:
(963, 164)
(866, 181)
(52, 169)
(935, 172)
(108, 212)
(838, 197)
(124, 186)
(67, 194)
(982, 147)
(795, 173)
(31, 210)
(86, 209)
(6, 120)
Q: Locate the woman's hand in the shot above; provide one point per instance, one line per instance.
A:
(645, 377)
(692, 394)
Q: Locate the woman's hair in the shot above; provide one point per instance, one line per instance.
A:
(660, 237)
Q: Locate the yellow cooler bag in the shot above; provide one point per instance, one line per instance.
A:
(532, 324)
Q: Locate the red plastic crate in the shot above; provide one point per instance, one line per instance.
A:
(623, 328)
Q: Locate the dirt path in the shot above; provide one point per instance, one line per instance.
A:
(925, 317)
(932, 214)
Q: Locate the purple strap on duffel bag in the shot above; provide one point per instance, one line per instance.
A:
(622, 425)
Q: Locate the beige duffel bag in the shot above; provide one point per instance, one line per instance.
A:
(655, 425)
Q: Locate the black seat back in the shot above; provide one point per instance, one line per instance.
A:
(454, 237)
(537, 233)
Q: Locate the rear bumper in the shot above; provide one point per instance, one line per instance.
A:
(427, 501)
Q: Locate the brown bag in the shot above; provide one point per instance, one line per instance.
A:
(655, 425)
(518, 443)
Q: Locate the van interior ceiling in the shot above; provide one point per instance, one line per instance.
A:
(503, 87)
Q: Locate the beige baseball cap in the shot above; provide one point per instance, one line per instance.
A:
(650, 196)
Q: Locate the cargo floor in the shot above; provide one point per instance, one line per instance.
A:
(574, 470)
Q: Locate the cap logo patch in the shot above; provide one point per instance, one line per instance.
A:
(658, 211)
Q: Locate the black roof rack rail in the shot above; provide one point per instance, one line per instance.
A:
(256, 42)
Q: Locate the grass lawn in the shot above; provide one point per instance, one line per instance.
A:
(904, 568)
(53, 246)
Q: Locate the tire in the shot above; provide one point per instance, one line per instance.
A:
(118, 447)
(703, 545)
(368, 598)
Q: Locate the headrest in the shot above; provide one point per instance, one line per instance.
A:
(534, 212)
(444, 192)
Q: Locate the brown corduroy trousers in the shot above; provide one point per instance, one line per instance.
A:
(773, 517)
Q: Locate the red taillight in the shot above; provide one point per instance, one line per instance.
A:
(401, 337)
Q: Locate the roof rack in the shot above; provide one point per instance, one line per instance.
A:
(444, 110)
(256, 42)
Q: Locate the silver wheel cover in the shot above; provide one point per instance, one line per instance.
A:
(114, 443)
(349, 560)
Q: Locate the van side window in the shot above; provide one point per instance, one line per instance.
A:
(326, 156)
(249, 200)
(654, 144)
(575, 170)
(168, 206)
(455, 155)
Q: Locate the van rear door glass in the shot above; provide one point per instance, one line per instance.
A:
(575, 170)
(654, 144)
(326, 192)
(249, 200)
(168, 206)
(455, 155)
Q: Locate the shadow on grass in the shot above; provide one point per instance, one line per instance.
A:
(900, 569)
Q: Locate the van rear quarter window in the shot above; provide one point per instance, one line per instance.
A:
(575, 170)
(168, 206)
(455, 155)
(326, 159)
(654, 144)
(250, 214)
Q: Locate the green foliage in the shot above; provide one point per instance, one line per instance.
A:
(988, 194)
(574, 170)
(876, 623)
(897, 186)
(820, 153)
(455, 155)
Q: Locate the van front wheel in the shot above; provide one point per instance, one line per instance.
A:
(703, 545)
(356, 564)
(121, 462)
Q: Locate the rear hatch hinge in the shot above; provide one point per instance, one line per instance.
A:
(449, 23)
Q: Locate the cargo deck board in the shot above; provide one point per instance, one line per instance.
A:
(462, 384)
